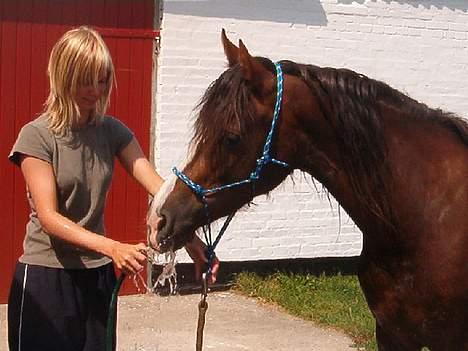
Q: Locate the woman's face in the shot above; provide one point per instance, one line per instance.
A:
(88, 95)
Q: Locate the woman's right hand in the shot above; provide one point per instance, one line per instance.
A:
(128, 258)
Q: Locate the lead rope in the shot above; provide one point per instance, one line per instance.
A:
(202, 308)
(210, 254)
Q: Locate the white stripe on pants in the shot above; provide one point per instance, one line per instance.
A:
(22, 306)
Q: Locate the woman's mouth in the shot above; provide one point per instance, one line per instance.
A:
(90, 101)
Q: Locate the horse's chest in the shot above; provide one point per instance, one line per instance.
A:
(392, 296)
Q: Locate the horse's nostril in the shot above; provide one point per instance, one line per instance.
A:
(163, 228)
(162, 221)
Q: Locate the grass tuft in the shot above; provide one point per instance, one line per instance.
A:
(333, 301)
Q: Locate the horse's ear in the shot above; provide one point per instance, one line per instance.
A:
(252, 71)
(230, 50)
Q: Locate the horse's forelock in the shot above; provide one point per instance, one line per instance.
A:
(226, 106)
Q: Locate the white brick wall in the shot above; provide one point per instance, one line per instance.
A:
(418, 46)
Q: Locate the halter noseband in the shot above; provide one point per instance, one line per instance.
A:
(254, 176)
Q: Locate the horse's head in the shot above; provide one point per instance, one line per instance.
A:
(235, 116)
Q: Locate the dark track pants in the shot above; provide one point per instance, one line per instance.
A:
(52, 309)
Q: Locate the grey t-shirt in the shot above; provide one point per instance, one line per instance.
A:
(82, 161)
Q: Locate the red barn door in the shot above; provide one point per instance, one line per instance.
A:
(28, 30)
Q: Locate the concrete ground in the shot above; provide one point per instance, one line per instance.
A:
(233, 323)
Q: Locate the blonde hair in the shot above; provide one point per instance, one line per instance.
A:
(79, 57)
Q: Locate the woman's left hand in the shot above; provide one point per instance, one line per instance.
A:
(196, 250)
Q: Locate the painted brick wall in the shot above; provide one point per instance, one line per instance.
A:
(418, 47)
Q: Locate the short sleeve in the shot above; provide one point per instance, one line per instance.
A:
(120, 134)
(32, 141)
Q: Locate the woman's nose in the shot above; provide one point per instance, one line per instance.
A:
(94, 91)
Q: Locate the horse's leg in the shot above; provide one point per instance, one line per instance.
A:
(386, 342)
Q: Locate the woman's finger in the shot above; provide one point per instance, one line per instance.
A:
(134, 266)
(141, 247)
(214, 270)
(140, 257)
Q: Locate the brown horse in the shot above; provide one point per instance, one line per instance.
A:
(398, 167)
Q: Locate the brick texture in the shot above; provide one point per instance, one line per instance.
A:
(418, 47)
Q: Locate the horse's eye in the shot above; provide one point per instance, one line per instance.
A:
(231, 140)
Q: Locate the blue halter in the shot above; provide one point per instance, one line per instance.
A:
(263, 160)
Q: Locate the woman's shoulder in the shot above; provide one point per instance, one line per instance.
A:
(37, 126)
(119, 134)
(34, 139)
(111, 121)
(40, 122)
(113, 124)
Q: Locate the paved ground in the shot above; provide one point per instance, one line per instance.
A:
(233, 323)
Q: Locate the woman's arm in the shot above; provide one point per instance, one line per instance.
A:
(137, 165)
(40, 180)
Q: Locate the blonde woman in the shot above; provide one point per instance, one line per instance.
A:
(62, 284)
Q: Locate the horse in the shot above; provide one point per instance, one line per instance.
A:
(398, 167)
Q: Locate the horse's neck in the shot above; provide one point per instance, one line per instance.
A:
(426, 159)
(322, 160)
(378, 236)
(325, 169)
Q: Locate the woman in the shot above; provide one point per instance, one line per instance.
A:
(62, 284)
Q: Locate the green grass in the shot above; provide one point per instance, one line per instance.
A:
(333, 301)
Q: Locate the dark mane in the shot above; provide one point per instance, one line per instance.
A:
(226, 105)
(355, 116)
(366, 92)
(228, 100)
(348, 101)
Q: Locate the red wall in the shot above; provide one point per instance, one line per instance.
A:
(28, 30)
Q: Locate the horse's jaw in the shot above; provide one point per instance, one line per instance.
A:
(174, 228)
(161, 227)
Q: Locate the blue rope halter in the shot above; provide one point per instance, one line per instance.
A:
(254, 176)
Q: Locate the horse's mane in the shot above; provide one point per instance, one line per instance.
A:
(348, 101)
(355, 116)
(226, 105)
(352, 88)
(354, 101)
